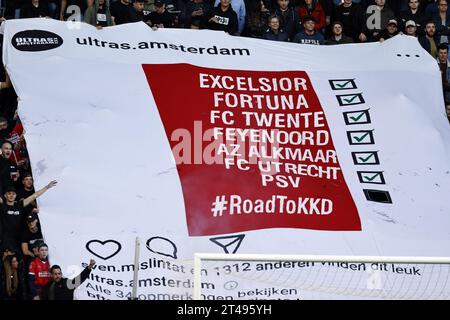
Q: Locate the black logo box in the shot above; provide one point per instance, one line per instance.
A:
(36, 40)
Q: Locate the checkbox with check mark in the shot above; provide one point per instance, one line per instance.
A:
(350, 99)
(365, 158)
(374, 177)
(357, 117)
(343, 84)
(360, 137)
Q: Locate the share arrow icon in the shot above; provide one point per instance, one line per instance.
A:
(229, 244)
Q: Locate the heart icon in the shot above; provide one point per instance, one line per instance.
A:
(103, 249)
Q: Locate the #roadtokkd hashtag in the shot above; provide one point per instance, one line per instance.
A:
(276, 204)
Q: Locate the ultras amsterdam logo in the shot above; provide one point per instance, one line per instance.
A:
(36, 40)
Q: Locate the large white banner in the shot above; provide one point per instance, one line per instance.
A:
(197, 141)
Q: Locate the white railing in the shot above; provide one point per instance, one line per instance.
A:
(199, 257)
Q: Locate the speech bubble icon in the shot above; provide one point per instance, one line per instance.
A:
(162, 246)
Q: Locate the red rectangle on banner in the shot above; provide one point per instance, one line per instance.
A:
(253, 150)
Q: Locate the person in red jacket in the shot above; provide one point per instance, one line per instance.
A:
(313, 8)
(39, 272)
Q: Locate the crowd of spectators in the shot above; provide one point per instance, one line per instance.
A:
(24, 266)
(25, 270)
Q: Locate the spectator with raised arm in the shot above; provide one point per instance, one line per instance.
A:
(60, 288)
(13, 216)
(26, 190)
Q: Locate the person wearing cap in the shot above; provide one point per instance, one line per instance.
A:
(414, 13)
(411, 28)
(60, 288)
(99, 15)
(161, 18)
(223, 18)
(288, 17)
(39, 272)
(12, 214)
(136, 12)
(309, 35)
(31, 236)
(274, 32)
(338, 36)
(375, 21)
(390, 31)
